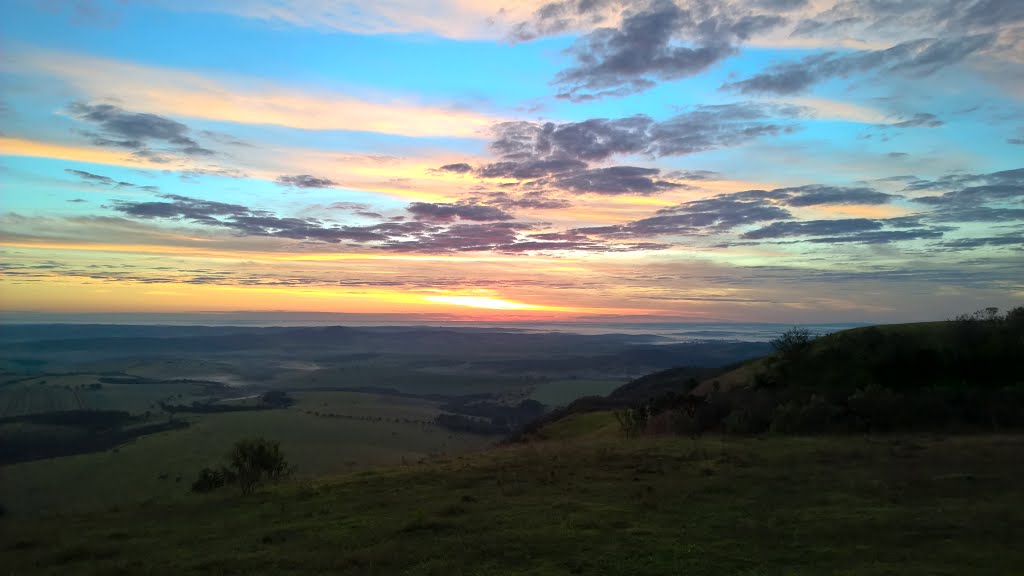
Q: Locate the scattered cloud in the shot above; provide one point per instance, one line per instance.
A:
(915, 57)
(306, 181)
(135, 130)
(448, 212)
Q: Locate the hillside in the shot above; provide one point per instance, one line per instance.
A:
(589, 505)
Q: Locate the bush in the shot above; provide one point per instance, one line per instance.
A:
(209, 480)
(254, 461)
(817, 415)
(877, 409)
(251, 462)
(792, 343)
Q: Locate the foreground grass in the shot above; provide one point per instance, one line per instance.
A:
(591, 505)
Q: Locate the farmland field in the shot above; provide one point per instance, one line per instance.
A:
(383, 431)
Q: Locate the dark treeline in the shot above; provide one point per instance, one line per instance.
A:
(961, 375)
(483, 417)
(268, 401)
(54, 434)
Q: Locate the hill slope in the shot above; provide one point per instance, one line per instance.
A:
(609, 506)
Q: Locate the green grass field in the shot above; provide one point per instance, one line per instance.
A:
(591, 505)
(150, 466)
(556, 393)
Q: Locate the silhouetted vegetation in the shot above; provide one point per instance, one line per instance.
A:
(961, 375)
(251, 463)
(52, 434)
(484, 417)
(269, 401)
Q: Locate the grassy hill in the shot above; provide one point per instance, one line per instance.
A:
(587, 502)
(588, 495)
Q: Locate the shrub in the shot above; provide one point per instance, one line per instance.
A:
(813, 416)
(792, 343)
(632, 421)
(877, 409)
(209, 480)
(254, 461)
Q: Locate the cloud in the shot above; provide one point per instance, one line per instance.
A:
(560, 155)
(700, 129)
(250, 100)
(306, 181)
(613, 181)
(533, 200)
(135, 130)
(816, 194)
(717, 214)
(1010, 239)
(915, 57)
(972, 190)
(448, 212)
(435, 231)
(90, 177)
(99, 179)
(812, 228)
(882, 237)
(460, 168)
(655, 40)
(919, 120)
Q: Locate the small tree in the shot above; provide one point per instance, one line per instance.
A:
(793, 342)
(254, 461)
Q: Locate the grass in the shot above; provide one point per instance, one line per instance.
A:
(150, 467)
(607, 505)
(556, 393)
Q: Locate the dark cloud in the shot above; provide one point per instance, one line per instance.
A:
(781, 5)
(460, 168)
(534, 200)
(813, 228)
(99, 179)
(656, 40)
(919, 120)
(814, 195)
(613, 181)
(978, 214)
(718, 214)
(448, 212)
(305, 181)
(352, 206)
(953, 181)
(915, 57)
(694, 175)
(882, 237)
(529, 169)
(134, 130)
(433, 234)
(77, 200)
(1012, 239)
(1017, 141)
(560, 155)
(697, 130)
(90, 177)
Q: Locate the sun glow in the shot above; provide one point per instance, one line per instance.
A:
(484, 302)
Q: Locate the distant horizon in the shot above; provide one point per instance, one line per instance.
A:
(281, 318)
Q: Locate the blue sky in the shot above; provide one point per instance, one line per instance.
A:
(815, 160)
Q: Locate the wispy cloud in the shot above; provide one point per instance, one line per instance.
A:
(187, 94)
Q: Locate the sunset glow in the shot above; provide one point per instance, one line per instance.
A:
(477, 160)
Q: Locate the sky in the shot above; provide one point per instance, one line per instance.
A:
(663, 160)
